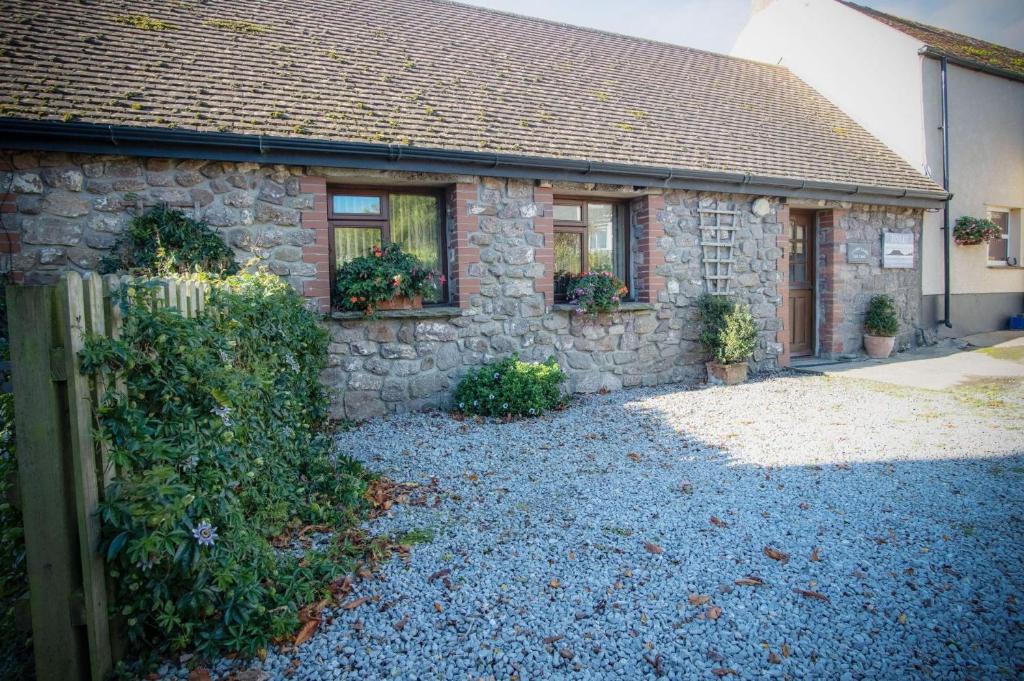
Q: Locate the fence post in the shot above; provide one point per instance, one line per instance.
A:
(46, 480)
(72, 320)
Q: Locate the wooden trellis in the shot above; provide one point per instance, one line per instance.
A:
(717, 241)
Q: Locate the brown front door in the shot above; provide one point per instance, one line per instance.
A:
(801, 283)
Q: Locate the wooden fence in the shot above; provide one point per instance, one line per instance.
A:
(62, 470)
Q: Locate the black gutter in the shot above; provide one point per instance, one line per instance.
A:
(935, 53)
(946, 236)
(92, 138)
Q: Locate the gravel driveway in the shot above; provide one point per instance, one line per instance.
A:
(629, 537)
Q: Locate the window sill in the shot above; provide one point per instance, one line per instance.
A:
(1003, 266)
(429, 312)
(624, 307)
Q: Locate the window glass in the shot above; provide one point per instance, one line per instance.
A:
(568, 259)
(352, 242)
(998, 248)
(568, 213)
(602, 244)
(355, 205)
(415, 226)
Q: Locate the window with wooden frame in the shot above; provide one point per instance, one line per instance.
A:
(999, 248)
(591, 235)
(361, 218)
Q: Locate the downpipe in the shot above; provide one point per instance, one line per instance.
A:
(946, 235)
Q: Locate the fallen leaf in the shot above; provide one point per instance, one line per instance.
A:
(804, 506)
(437, 607)
(554, 583)
(306, 632)
(199, 674)
(653, 548)
(400, 624)
(812, 594)
(786, 650)
(566, 654)
(775, 554)
(714, 612)
(724, 671)
(902, 619)
(633, 456)
(548, 640)
(698, 599)
(352, 605)
(572, 555)
(444, 572)
(750, 581)
(718, 522)
(814, 554)
(774, 659)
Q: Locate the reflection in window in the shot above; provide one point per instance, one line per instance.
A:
(415, 226)
(352, 242)
(355, 205)
(568, 259)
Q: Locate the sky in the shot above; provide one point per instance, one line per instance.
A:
(714, 24)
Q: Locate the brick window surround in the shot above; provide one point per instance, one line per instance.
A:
(648, 230)
(318, 290)
(10, 239)
(464, 279)
(544, 225)
(831, 251)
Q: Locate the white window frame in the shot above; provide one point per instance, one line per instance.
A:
(1011, 243)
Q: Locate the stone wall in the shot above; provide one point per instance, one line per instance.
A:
(70, 209)
(65, 211)
(846, 288)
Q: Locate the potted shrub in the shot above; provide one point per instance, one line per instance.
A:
(880, 327)
(595, 292)
(970, 231)
(385, 279)
(730, 336)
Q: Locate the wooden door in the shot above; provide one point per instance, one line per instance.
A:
(801, 283)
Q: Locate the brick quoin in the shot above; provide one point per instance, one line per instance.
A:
(318, 290)
(544, 225)
(460, 196)
(649, 231)
(782, 335)
(831, 239)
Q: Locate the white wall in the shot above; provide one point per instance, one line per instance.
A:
(986, 157)
(869, 70)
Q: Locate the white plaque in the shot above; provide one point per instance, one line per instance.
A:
(898, 250)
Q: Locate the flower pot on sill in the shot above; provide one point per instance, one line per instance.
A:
(398, 303)
(726, 374)
(879, 347)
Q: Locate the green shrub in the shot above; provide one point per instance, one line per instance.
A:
(511, 388)
(729, 333)
(165, 241)
(595, 292)
(881, 318)
(970, 231)
(220, 445)
(383, 274)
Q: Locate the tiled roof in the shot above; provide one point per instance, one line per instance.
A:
(959, 45)
(428, 73)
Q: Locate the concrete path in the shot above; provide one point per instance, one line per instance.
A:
(947, 365)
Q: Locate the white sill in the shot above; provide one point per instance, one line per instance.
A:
(1000, 265)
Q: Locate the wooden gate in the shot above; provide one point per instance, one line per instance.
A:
(62, 471)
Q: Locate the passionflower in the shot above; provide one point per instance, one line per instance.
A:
(205, 534)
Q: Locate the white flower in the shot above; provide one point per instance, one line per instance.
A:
(225, 415)
(289, 359)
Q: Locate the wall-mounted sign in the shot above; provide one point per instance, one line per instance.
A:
(898, 249)
(858, 251)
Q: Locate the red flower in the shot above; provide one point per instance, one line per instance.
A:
(442, 280)
(353, 299)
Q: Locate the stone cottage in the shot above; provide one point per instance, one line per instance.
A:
(499, 148)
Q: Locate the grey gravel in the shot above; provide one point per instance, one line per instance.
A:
(913, 501)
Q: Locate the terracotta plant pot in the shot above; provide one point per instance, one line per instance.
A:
(399, 303)
(879, 347)
(726, 374)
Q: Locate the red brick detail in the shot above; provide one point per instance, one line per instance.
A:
(831, 241)
(650, 256)
(544, 225)
(466, 254)
(8, 204)
(318, 252)
(782, 335)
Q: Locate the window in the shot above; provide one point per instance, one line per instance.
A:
(363, 218)
(590, 236)
(999, 249)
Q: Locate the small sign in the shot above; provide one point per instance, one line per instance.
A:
(898, 250)
(858, 251)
